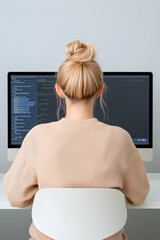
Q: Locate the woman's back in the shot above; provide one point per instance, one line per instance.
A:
(81, 152)
(76, 153)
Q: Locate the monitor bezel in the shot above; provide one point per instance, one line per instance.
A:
(150, 74)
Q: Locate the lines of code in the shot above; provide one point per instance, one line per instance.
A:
(31, 104)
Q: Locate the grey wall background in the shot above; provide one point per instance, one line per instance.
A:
(33, 36)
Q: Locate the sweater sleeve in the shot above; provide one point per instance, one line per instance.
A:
(135, 183)
(20, 182)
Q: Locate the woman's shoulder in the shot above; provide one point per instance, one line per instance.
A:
(115, 129)
(40, 129)
(117, 133)
(120, 131)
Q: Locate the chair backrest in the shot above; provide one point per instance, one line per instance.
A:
(79, 213)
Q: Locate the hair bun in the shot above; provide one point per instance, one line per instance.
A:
(80, 52)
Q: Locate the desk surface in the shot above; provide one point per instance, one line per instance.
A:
(151, 202)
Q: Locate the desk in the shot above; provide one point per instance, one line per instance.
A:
(151, 202)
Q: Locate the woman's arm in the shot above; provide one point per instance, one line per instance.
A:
(20, 182)
(135, 183)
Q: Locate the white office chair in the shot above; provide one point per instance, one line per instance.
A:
(79, 213)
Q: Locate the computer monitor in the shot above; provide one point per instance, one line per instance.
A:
(32, 100)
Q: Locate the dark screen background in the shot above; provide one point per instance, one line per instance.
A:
(128, 105)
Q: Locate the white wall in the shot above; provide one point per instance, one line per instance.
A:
(33, 35)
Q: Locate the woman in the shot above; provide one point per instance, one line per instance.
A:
(78, 150)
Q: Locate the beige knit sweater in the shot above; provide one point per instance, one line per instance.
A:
(76, 153)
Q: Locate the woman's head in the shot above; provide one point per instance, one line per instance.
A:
(80, 77)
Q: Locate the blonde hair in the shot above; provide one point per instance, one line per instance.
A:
(80, 77)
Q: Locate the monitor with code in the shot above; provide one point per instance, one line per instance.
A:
(32, 101)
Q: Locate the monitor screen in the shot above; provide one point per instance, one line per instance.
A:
(32, 100)
(129, 104)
